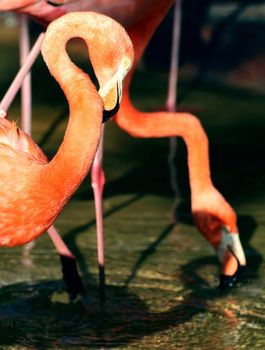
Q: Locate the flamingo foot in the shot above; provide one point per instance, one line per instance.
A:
(74, 284)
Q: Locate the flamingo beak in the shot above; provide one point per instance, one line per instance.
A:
(230, 243)
(227, 282)
(111, 92)
(107, 114)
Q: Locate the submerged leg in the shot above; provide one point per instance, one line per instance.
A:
(98, 182)
(71, 276)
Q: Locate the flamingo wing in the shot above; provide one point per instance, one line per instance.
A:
(14, 142)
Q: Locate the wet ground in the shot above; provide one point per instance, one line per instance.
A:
(161, 278)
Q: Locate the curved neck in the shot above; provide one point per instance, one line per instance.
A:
(167, 124)
(161, 124)
(76, 153)
(141, 31)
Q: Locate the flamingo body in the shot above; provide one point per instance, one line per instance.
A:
(21, 159)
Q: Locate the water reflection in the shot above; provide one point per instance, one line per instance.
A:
(40, 316)
(34, 320)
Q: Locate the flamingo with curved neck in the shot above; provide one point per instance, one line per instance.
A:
(213, 216)
(33, 190)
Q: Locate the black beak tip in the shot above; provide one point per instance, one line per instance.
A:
(228, 282)
(109, 114)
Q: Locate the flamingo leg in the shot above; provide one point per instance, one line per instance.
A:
(98, 182)
(70, 273)
(26, 85)
(26, 100)
(71, 277)
(173, 71)
(17, 82)
(171, 100)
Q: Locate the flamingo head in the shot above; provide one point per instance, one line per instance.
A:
(111, 68)
(110, 51)
(232, 257)
(111, 91)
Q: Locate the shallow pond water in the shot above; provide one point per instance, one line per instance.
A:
(161, 278)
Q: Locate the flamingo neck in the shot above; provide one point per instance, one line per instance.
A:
(71, 163)
(167, 124)
(161, 124)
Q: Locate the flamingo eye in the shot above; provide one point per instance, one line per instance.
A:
(127, 63)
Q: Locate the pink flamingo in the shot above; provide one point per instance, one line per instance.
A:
(213, 216)
(37, 191)
(44, 13)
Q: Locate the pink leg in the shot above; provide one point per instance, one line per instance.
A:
(24, 49)
(26, 85)
(17, 82)
(71, 276)
(58, 243)
(98, 182)
(173, 72)
(69, 269)
(171, 100)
